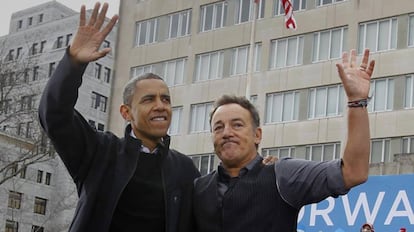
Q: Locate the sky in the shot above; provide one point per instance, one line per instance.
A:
(9, 7)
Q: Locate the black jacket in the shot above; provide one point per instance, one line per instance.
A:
(101, 164)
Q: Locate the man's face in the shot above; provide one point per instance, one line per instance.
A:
(234, 136)
(150, 111)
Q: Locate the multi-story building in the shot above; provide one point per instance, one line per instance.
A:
(206, 48)
(36, 192)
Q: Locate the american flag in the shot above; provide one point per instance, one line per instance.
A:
(289, 19)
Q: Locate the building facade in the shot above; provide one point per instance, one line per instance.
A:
(36, 192)
(205, 48)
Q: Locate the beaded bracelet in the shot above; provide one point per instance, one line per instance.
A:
(359, 103)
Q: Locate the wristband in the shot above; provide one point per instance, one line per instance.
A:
(359, 103)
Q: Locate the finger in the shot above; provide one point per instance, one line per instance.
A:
(370, 68)
(353, 58)
(102, 16)
(110, 25)
(345, 60)
(82, 17)
(364, 62)
(95, 11)
(341, 72)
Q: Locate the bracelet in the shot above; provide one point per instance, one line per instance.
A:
(359, 103)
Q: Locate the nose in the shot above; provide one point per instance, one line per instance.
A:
(160, 104)
(227, 131)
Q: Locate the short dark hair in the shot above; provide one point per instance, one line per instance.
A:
(129, 88)
(242, 101)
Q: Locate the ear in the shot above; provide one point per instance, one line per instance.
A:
(125, 112)
(258, 135)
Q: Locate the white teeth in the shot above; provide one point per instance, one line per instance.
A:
(159, 119)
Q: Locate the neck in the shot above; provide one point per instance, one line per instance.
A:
(233, 172)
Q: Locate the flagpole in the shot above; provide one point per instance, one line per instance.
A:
(251, 51)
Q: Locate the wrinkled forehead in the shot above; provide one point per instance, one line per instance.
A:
(230, 112)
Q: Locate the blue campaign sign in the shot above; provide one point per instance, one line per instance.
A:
(385, 201)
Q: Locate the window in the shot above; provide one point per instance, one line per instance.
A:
(12, 226)
(213, 16)
(282, 107)
(279, 152)
(29, 130)
(68, 37)
(37, 228)
(209, 66)
(40, 18)
(174, 71)
(147, 32)
(42, 46)
(34, 48)
(10, 56)
(98, 68)
(101, 127)
(286, 52)
(59, 42)
(26, 102)
(19, 24)
(323, 152)
(35, 73)
(92, 123)
(297, 6)
(383, 95)
(5, 106)
(99, 101)
(48, 178)
(409, 91)
(39, 176)
(52, 67)
(19, 52)
(106, 44)
(200, 117)
(408, 144)
(20, 128)
(107, 75)
(380, 151)
(378, 35)
(257, 56)
(179, 24)
(325, 101)
(23, 170)
(244, 10)
(204, 162)
(329, 44)
(326, 2)
(411, 31)
(239, 60)
(139, 70)
(15, 199)
(40, 205)
(175, 120)
(30, 21)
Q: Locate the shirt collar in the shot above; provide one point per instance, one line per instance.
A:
(243, 171)
(143, 148)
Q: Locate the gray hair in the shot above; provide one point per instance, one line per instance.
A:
(130, 87)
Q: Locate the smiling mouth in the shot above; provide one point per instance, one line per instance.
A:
(159, 118)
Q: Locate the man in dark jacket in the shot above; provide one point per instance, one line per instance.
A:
(135, 183)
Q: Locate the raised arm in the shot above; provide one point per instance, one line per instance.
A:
(90, 35)
(356, 81)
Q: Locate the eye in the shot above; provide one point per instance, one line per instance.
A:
(238, 125)
(218, 128)
(166, 99)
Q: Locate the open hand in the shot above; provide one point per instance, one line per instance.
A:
(86, 44)
(356, 79)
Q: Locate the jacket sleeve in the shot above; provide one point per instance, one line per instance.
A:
(70, 133)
